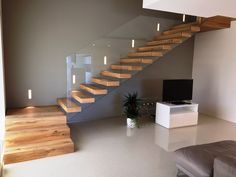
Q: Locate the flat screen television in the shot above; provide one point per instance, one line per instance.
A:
(177, 90)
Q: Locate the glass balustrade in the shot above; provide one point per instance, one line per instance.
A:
(102, 63)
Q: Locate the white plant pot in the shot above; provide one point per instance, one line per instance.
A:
(131, 123)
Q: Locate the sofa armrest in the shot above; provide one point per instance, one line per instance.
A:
(225, 166)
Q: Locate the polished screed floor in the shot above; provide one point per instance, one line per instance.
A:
(106, 148)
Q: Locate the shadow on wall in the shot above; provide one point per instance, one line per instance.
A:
(151, 87)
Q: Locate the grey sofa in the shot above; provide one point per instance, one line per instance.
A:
(208, 160)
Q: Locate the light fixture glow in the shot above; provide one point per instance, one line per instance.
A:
(133, 42)
(158, 26)
(74, 79)
(183, 17)
(29, 94)
(105, 60)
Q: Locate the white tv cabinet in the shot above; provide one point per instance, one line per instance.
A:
(172, 116)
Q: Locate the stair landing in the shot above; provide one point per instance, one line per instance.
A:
(36, 132)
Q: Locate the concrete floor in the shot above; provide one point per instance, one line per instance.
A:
(106, 148)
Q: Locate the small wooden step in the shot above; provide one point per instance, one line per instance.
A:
(185, 25)
(191, 29)
(24, 123)
(116, 74)
(145, 54)
(105, 82)
(38, 150)
(175, 35)
(153, 48)
(136, 60)
(82, 97)
(34, 111)
(166, 41)
(36, 135)
(93, 89)
(126, 67)
(68, 106)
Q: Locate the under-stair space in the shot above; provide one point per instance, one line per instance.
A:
(36, 132)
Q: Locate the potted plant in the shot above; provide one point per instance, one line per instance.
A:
(131, 109)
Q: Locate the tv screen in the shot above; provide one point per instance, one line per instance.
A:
(177, 90)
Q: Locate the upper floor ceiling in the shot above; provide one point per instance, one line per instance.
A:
(200, 8)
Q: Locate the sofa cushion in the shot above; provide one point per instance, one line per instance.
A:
(198, 160)
(225, 166)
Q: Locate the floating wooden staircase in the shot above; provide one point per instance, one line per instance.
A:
(143, 56)
(36, 132)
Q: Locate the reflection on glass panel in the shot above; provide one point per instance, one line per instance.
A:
(79, 71)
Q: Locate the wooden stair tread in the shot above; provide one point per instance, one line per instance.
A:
(166, 41)
(91, 88)
(153, 48)
(192, 29)
(185, 25)
(105, 82)
(35, 135)
(38, 150)
(37, 145)
(68, 106)
(136, 60)
(82, 97)
(175, 35)
(126, 67)
(215, 23)
(39, 129)
(34, 111)
(119, 75)
(145, 54)
(29, 123)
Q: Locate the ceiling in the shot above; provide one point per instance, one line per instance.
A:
(201, 8)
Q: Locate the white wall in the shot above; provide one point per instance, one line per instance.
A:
(200, 8)
(214, 73)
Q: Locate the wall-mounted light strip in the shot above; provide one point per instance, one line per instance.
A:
(105, 60)
(183, 17)
(74, 79)
(158, 26)
(133, 43)
(29, 94)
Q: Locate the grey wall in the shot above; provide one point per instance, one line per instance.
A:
(39, 34)
(177, 64)
(214, 73)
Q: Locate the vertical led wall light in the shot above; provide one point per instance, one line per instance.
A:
(29, 94)
(74, 79)
(133, 43)
(105, 60)
(183, 17)
(158, 26)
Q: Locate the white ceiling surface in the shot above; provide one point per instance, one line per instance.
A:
(203, 8)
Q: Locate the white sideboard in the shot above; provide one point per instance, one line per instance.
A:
(172, 116)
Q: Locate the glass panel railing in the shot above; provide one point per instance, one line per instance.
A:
(106, 63)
